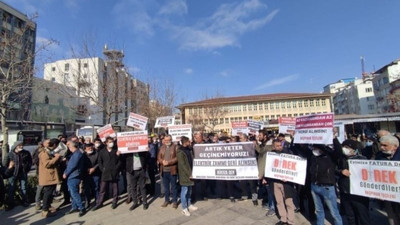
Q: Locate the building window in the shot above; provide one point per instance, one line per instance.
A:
(85, 65)
(221, 120)
(255, 107)
(317, 102)
(271, 106)
(385, 80)
(288, 105)
(240, 118)
(306, 103)
(300, 104)
(371, 107)
(282, 105)
(294, 105)
(312, 103)
(244, 108)
(289, 115)
(250, 117)
(53, 79)
(66, 78)
(295, 115)
(66, 67)
(368, 90)
(276, 105)
(226, 120)
(323, 102)
(53, 68)
(250, 107)
(266, 117)
(260, 106)
(245, 118)
(85, 76)
(265, 105)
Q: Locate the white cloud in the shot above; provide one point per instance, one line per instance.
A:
(277, 81)
(224, 73)
(177, 7)
(188, 71)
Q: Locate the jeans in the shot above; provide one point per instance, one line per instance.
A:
(73, 187)
(12, 185)
(38, 193)
(168, 180)
(186, 192)
(327, 194)
(271, 197)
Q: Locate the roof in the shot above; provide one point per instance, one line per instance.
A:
(381, 70)
(254, 98)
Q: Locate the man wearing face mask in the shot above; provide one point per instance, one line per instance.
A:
(322, 172)
(98, 145)
(23, 164)
(355, 206)
(109, 164)
(390, 151)
(92, 182)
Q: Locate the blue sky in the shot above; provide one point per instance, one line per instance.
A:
(230, 47)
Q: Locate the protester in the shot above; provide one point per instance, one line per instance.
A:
(62, 166)
(152, 164)
(390, 149)
(92, 182)
(49, 175)
(23, 163)
(356, 208)
(76, 169)
(35, 161)
(251, 183)
(168, 170)
(185, 166)
(109, 164)
(5, 172)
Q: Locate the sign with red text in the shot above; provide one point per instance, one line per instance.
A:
(106, 131)
(286, 124)
(165, 121)
(375, 179)
(225, 161)
(177, 131)
(240, 127)
(255, 126)
(131, 142)
(137, 121)
(286, 167)
(314, 129)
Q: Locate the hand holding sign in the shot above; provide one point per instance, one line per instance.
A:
(346, 173)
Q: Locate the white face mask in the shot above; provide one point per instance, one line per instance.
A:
(346, 151)
(387, 152)
(89, 152)
(110, 145)
(96, 145)
(316, 152)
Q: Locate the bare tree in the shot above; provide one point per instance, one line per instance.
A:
(17, 56)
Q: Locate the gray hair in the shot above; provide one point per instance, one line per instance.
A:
(390, 139)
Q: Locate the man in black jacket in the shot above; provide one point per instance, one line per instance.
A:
(23, 163)
(109, 164)
(92, 181)
(136, 169)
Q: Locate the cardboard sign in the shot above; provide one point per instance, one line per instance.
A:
(137, 121)
(375, 179)
(131, 142)
(240, 127)
(233, 161)
(314, 129)
(177, 131)
(338, 127)
(286, 167)
(287, 124)
(165, 121)
(106, 131)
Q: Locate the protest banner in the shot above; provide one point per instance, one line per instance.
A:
(338, 128)
(286, 124)
(240, 127)
(106, 131)
(375, 179)
(255, 126)
(131, 142)
(230, 161)
(314, 129)
(137, 121)
(177, 131)
(164, 121)
(286, 167)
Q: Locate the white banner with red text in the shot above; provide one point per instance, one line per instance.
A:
(287, 124)
(177, 131)
(286, 167)
(131, 142)
(165, 121)
(106, 131)
(137, 121)
(314, 129)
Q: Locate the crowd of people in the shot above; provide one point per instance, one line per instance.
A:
(88, 171)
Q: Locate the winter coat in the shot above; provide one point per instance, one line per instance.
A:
(93, 162)
(172, 163)
(127, 160)
(109, 164)
(262, 154)
(184, 166)
(76, 167)
(48, 169)
(22, 161)
(344, 181)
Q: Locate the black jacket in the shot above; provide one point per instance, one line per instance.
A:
(323, 167)
(93, 162)
(127, 160)
(22, 160)
(344, 181)
(109, 164)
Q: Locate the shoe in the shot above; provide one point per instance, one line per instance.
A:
(65, 203)
(232, 200)
(165, 204)
(128, 200)
(96, 207)
(255, 203)
(145, 206)
(52, 209)
(192, 208)
(134, 206)
(71, 211)
(186, 212)
(87, 204)
(281, 223)
(175, 205)
(114, 205)
(271, 213)
(38, 207)
(47, 214)
(82, 212)
(162, 195)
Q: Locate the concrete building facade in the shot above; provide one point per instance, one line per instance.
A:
(384, 85)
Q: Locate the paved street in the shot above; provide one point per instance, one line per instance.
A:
(210, 212)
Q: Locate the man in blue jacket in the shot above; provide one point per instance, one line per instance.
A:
(73, 172)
